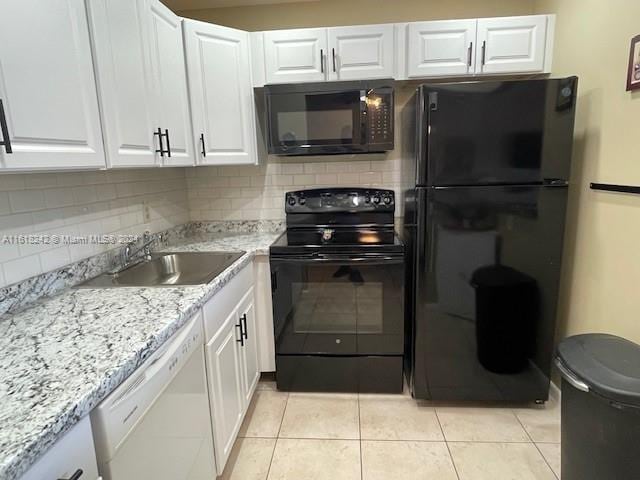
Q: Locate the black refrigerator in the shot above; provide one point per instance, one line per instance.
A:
(485, 171)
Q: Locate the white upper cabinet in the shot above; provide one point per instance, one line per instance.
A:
(512, 44)
(223, 109)
(47, 86)
(169, 74)
(441, 48)
(122, 57)
(295, 55)
(361, 52)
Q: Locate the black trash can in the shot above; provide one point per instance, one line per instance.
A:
(600, 407)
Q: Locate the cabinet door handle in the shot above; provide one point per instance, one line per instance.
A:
(244, 323)
(204, 150)
(76, 475)
(159, 134)
(333, 57)
(241, 339)
(321, 61)
(484, 51)
(6, 141)
(166, 134)
(469, 53)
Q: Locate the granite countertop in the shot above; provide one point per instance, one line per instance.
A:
(62, 356)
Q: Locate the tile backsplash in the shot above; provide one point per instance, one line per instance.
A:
(257, 192)
(77, 204)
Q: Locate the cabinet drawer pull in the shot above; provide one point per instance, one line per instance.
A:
(204, 150)
(166, 134)
(333, 56)
(244, 326)
(76, 475)
(6, 141)
(159, 133)
(241, 339)
(469, 53)
(321, 61)
(484, 51)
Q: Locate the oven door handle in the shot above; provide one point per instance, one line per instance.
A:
(323, 258)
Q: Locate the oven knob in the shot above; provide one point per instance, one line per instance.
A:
(376, 199)
(367, 199)
(387, 200)
(291, 201)
(302, 200)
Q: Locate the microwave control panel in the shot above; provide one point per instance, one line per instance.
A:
(380, 117)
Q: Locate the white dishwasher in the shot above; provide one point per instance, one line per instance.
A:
(157, 424)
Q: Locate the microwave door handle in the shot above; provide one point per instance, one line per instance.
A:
(364, 116)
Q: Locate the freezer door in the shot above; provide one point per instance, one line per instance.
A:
(486, 288)
(483, 133)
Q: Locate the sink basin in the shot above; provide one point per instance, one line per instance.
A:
(169, 269)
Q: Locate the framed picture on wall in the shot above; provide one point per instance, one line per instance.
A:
(633, 76)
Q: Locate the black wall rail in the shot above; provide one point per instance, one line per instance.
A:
(610, 187)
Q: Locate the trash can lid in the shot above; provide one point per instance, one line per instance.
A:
(609, 365)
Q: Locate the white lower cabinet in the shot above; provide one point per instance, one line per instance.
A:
(232, 359)
(226, 389)
(73, 453)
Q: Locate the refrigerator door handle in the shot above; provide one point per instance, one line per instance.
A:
(555, 182)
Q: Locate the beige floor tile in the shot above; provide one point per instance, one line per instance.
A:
(249, 459)
(264, 384)
(542, 424)
(265, 414)
(551, 453)
(316, 460)
(387, 460)
(396, 417)
(321, 416)
(480, 425)
(499, 461)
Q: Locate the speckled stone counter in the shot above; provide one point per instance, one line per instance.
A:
(62, 356)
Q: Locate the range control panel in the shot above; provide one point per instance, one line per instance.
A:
(327, 200)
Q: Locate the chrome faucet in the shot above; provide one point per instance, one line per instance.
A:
(128, 253)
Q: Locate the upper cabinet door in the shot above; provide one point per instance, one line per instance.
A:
(296, 55)
(47, 86)
(169, 71)
(441, 48)
(511, 44)
(361, 52)
(220, 85)
(121, 45)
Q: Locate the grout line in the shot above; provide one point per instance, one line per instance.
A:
(534, 443)
(275, 444)
(453, 462)
(360, 438)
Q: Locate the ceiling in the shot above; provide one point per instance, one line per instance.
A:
(181, 5)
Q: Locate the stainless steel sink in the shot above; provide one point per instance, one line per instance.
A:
(168, 269)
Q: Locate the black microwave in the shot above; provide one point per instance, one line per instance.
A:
(330, 118)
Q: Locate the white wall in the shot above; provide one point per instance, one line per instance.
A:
(82, 203)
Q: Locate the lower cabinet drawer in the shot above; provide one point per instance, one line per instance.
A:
(73, 453)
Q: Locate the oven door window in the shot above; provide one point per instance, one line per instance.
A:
(301, 120)
(338, 308)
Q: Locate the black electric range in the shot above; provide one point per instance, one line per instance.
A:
(338, 290)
